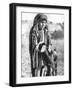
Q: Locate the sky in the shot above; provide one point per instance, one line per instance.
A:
(55, 18)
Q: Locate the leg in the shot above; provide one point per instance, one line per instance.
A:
(48, 70)
(56, 69)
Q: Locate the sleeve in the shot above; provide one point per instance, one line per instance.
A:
(34, 39)
(48, 39)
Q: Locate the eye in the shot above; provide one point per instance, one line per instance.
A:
(41, 23)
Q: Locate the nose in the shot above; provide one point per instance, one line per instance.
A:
(44, 24)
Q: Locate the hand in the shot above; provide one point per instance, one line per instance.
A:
(43, 49)
(37, 47)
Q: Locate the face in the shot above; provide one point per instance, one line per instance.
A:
(42, 24)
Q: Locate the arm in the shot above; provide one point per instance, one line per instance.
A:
(34, 39)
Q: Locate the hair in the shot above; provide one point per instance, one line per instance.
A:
(39, 17)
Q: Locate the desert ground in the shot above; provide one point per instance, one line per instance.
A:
(59, 44)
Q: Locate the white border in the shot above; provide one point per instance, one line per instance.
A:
(65, 77)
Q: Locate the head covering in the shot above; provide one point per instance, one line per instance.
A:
(39, 17)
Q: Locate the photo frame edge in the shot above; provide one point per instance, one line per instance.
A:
(12, 63)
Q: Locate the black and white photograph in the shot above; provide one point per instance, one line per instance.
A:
(42, 44)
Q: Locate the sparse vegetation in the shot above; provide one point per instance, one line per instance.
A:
(59, 45)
